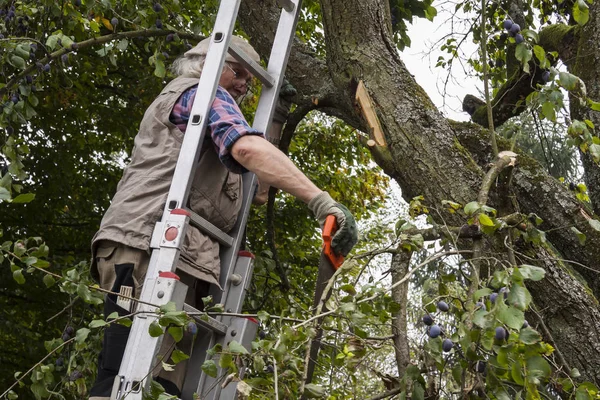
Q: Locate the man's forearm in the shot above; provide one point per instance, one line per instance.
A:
(272, 167)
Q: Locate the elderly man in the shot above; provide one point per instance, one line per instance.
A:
(121, 247)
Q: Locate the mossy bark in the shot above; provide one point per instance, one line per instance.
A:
(586, 65)
(432, 156)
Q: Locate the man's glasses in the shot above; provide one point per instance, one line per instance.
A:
(240, 74)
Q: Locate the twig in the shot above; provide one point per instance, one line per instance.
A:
(63, 310)
(225, 314)
(551, 338)
(92, 42)
(482, 197)
(488, 102)
(387, 394)
(93, 287)
(32, 368)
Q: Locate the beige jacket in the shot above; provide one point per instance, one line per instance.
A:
(141, 194)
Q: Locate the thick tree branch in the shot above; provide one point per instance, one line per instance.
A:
(510, 99)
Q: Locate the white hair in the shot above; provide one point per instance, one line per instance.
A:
(188, 66)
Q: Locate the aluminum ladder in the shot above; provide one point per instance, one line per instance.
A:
(161, 284)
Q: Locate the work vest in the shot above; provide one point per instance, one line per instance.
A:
(215, 195)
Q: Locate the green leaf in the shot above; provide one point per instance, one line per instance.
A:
(529, 336)
(210, 368)
(24, 198)
(501, 394)
(481, 293)
(516, 372)
(41, 264)
(263, 316)
(154, 329)
(159, 69)
(540, 53)
(523, 54)
(81, 335)
(97, 323)
(512, 317)
(4, 193)
(350, 289)
(567, 80)
(539, 365)
(581, 12)
(580, 235)
(471, 208)
(176, 332)
(594, 105)
(178, 318)
(313, 391)
(532, 272)
(169, 307)
(418, 392)
(595, 224)
(519, 297)
(548, 111)
(178, 356)
(18, 62)
(594, 151)
(237, 348)
(125, 322)
(485, 220)
(258, 363)
(226, 361)
(86, 295)
(52, 41)
(122, 44)
(48, 280)
(18, 276)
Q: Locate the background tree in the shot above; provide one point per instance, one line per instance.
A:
(78, 75)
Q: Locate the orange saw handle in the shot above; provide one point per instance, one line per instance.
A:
(329, 230)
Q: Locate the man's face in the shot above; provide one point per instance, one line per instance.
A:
(235, 79)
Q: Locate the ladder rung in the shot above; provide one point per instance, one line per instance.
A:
(252, 66)
(205, 321)
(210, 229)
(287, 5)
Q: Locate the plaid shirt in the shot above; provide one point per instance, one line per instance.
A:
(226, 123)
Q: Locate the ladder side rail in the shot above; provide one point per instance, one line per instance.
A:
(245, 331)
(232, 297)
(280, 51)
(196, 129)
(228, 255)
(240, 329)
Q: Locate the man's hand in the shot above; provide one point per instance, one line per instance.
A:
(346, 236)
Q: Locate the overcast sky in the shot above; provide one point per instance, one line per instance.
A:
(424, 34)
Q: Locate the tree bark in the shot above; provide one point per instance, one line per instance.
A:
(586, 65)
(431, 156)
(399, 268)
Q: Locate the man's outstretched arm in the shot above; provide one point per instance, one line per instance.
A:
(274, 168)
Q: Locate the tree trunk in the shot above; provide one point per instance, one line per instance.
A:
(431, 156)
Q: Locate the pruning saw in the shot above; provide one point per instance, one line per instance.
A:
(328, 264)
